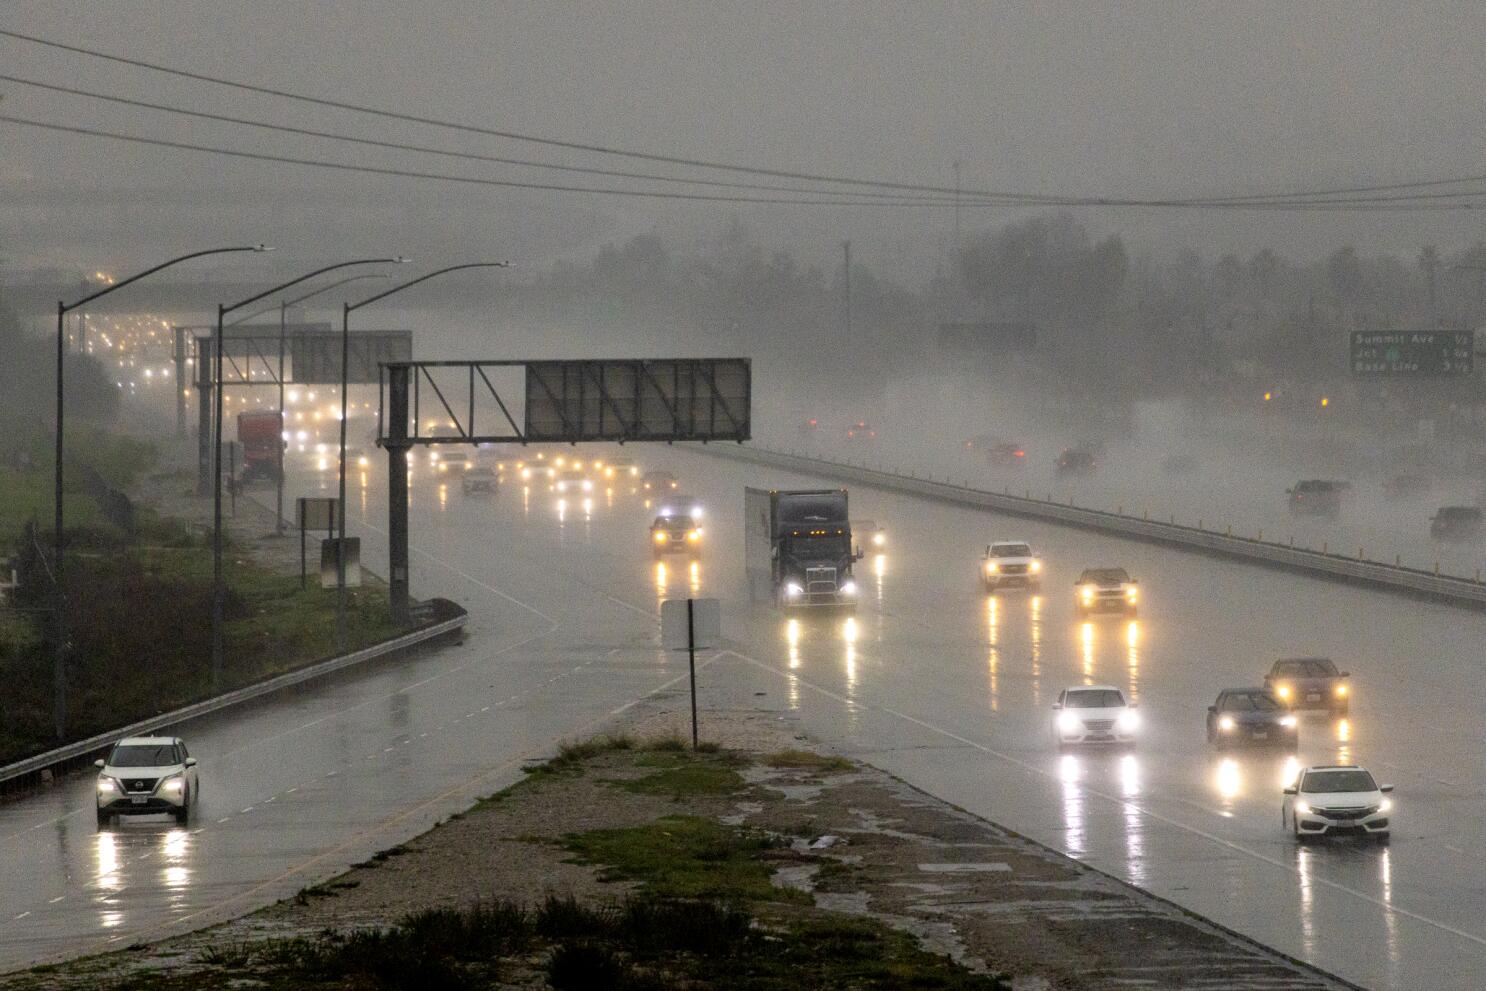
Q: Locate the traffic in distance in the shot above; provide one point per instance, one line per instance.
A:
(805, 544)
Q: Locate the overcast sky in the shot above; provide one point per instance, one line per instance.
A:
(1137, 99)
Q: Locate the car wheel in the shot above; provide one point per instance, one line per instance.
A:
(1381, 838)
(183, 813)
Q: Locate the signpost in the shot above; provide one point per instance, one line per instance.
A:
(689, 625)
(1413, 353)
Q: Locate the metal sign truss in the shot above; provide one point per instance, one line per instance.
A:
(310, 355)
(525, 402)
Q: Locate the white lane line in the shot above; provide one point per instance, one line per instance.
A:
(1114, 800)
(229, 818)
(295, 788)
(23, 914)
(60, 897)
(250, 808)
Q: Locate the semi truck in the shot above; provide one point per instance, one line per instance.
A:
(262, 438)
(798, 548)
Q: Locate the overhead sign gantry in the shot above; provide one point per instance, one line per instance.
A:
(524, 402)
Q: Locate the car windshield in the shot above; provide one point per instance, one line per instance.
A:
(1249, 702)
(1010, 550)
(1318, 667)
(1332, 782)
(1094, 698)
(1105, 576)
(143, 755)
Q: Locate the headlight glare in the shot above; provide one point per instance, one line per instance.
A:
(661, 537)
(1385, 805)
(849, 587)
(1288, 722)
(1226, 723)
(793, 590)
(1127, 722)
(1036, 567)
(1069, 723)
(1341, 690)
(1302, 808)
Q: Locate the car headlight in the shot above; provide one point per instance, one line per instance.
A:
(1283, 691)
(1069, 723)
(1288, 722)
(694, 535)
(1341, 691)
(106, 786)
(992, 567)
(1302, 808)
(525, 474)
(1226, 724)
(878, 539)
(363, 461)
(1385, 805)
(173, 784)
(1127, 722)
(793, 590)
(633, 472)
(1130, 594)
(587, 485)
(1087, 594)
(849, 587)
(661, 537)
(1036, 567)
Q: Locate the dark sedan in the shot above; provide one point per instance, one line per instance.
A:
(1250, 715)
(1310, 683)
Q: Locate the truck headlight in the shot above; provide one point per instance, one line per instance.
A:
(1069, 723)
(1226, 724)
(793, 590)
(878, 539)
(1087, 594)
(661, 537)
(992, 567)
(1283, 691)
(849, 587)
(1036, 567)
(694, 535)
(587, 485)
(1341, 691)
(1130, 594)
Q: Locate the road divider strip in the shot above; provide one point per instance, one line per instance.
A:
(94, 744)
(1357, 570)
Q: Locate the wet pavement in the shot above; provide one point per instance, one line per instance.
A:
(934, 681)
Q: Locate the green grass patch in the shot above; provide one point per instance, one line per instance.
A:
(806, 760)
(686, 857)
(682, 774)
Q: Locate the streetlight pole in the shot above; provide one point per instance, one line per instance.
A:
(340, 547)
(217, 349)
(283, 332)
(59, 625)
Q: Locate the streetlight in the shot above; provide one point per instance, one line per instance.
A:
(59, 687)
(283, 311)
(217, 349)
(340, 547)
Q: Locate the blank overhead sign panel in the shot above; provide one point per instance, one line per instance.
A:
(661, 399)
(316, 358)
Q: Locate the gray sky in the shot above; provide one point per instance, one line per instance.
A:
(1139, 99)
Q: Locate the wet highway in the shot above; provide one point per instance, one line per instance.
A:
(934, 681)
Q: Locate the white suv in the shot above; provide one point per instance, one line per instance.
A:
(1010, 562)
(147, 775)
(1337, 798)
(1094, 714)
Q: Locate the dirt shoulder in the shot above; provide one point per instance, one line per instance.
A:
(632, 862)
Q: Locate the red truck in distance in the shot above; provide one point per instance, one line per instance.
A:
(262, 438)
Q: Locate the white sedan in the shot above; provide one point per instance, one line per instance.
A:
(1094, 714)
(1337, 798)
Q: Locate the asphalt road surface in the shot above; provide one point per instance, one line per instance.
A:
(933, 680)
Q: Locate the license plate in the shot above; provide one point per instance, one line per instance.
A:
(138, 800)
(1313, 698)
(1346, 823)
(1262, 736)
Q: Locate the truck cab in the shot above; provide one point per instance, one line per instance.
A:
(804, 540)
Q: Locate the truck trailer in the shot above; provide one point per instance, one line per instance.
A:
(262, 438)
(798, 548)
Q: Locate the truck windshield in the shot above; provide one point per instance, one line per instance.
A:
(812, 509)
(832, 546)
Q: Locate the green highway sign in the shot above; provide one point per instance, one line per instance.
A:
(1413, 352)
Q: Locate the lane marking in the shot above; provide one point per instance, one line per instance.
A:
(1112, 799)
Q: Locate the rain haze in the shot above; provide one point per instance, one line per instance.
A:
(1139, 339)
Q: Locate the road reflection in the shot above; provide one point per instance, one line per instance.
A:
(792, 637)
(1070, 772)
(1134, 821)
(1132, 657)
(1035, 632)
(1086, 638)
(993, 658)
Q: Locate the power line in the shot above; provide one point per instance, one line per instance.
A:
(509, 135)
(1320, 206)
(423, 149)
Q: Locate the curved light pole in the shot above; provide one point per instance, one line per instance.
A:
(283, 308)
(217, 349)
(340, 547)
(59, 678)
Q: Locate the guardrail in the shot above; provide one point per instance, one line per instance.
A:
(1393, 577)
(94, 744)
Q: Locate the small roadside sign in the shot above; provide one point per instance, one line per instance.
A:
(705, 627)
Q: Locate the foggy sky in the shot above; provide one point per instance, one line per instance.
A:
(1138, 99)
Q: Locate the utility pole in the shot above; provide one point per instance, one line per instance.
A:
(846, 248)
